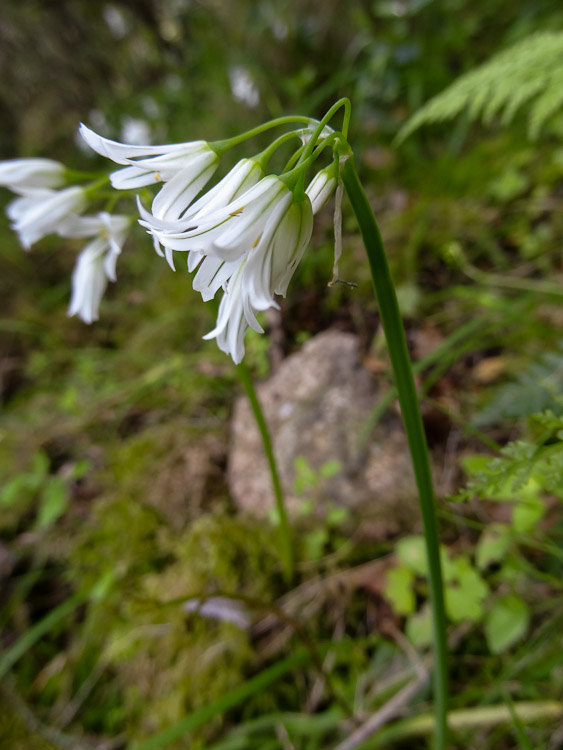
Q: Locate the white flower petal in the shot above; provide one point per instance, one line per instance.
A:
(20, 174)
(123, 153)
(41, 213)
(177, 194)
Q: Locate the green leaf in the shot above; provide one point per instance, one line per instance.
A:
(492, 546)
(315, 543)
(305, 477)
(411, 551)
(527, 513)
(462, 606)
(506, 622)
(398, 590)
(469, 579)
(54, 502)
(419, 627)
(337, 516)
(330, 469)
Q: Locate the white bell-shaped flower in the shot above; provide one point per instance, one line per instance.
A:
(185, 168)
(96, 263)
(21, 174)
(40, 211)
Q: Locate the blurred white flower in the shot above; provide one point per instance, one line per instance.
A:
(184, 167)
(243, 86)
(40, 211)
(96, 263)
(21, 174)
(134, 130)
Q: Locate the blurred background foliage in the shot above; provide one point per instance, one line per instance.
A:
(114, 437)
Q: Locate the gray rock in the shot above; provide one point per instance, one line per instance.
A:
(316, 406)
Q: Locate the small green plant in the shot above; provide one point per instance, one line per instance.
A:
(529, 72)
(471, 594)
(37, 488)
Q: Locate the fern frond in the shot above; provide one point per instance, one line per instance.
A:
(530, 72)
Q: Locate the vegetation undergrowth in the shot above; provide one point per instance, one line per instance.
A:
(114, 497)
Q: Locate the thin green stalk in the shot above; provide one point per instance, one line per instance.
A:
(221, 146)
(285, 531)
(402, 370)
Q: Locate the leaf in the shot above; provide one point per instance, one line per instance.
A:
(398, 590)
(419, 627)
(464, 598)
(529, 72)
(305, 477)
(54, 502)
(330, 469)
(492, 546)
(506, 622)
(527, 513)
(411, 551)
(460, 607)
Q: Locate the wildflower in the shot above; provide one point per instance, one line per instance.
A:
(22, 174)
(263, 268)
(242, 176)
(39, 211)
(185, 168)
(321, 187)
(96, 263)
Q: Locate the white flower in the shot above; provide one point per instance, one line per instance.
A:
(242, 176)
(231, 229)
(321, 187)
(21, 174)
(263, 269)
(39, 211)
(184, 167)
(96, 263)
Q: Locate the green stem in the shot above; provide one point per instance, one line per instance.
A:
(285, 532)
(224, 145)
(402, 370)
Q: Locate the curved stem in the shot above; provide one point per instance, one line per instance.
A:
(325, 120)
(221, 146)
(402, 370)
(285, 531)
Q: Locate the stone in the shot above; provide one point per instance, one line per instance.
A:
(316, 406)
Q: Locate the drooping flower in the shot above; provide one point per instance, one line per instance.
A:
(250, 247)
(39, 211)
(242, 176)
(96, 262)
(321, 187)
(262, 270)
(22, 174)
(185, 168)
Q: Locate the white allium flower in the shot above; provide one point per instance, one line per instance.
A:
(185, 168)
(40, 211)
(250, 247)
(96, 263)
(321, 188)
(21, 174)
(242, 176)
(263, 268)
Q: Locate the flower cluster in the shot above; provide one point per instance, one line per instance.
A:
(40, 209)
(246, 235)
